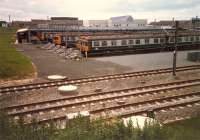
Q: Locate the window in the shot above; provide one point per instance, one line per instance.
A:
(171, 39)
(130, 42)
(197, 38)
(113, 42)
(186, 39)
(146, 41)
(89, 43)
(162, 40)
(191, 38)
(155, 40)
(124, 42)
(56, 38)
(179, 39)
(96, 43)
(104, 43)
(137, 41)
(84, 43)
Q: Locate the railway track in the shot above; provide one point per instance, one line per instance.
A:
(99, 102)
(142, 107)
(171, 103)
(34, 86)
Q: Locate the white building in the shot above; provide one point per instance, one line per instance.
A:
(127, 22)
(117, 22)
(96, 23)
(121, 21)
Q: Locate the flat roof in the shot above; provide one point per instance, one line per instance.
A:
(64, 18)
(22, 30)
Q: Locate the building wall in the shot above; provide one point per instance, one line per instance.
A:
(140, 22)
(21, 24)
(117, 22)
(182, 23)
(127, 21)
(196, 22)
(96, 23)
(57, 23)
(135, 24)
(3, 24)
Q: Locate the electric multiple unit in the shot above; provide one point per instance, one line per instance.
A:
(138, 41)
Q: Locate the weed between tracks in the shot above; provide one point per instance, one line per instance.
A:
(13, 64)
(83, 129)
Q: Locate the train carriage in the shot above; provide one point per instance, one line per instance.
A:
(137, 41)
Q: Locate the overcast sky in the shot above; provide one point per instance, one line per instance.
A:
(99, 9)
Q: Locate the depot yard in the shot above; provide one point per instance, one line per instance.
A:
(13, 65)
(18, 62)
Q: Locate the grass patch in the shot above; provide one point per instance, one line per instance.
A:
(84, 129)
(13, 64)
(187, 129)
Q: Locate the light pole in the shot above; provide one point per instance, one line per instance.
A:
(66, 37)
(175, 48)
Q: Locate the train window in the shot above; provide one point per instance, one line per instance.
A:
(179, 39)
(96, 43)
(146, 41)
(137, 41)
(124, 42)
(155, 40)
(130, 41)
(186, 39)
(89, 43)
(56, 38)
(104, 43)
(197, 38)
(113, 42)
(171, 39)
(191, 38)
(162, 40)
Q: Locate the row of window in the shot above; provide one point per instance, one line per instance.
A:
(188, 39)
(119, 25)
(128, 42)
(145, 41)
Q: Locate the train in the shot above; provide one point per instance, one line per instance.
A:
(139, 41)
(114, 41)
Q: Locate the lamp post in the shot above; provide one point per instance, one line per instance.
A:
(175, 48)
(66, 37)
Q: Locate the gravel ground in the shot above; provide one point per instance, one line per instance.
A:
(109, 85)
(51, 93)
(178, 113)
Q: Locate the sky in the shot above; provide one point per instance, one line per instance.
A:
(99, 9)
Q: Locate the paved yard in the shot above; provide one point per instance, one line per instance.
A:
(49, 63)
(149, 61)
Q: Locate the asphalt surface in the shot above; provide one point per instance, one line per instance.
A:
(139, 62)
(49, 63)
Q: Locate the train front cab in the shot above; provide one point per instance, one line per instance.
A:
(83, 46)
(57, 40)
